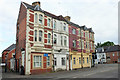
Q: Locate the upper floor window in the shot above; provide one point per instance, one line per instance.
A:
(48, 22)
(79, 32)
(40, 18)
(82, 44)
(74, 43)
(54, 26)
(49, 37)
(40, 35)
(35, 35)
(73, 31)
(82, 33)
(65, 41)
(55, 38)
(86, 45)
(64, 27)
(36, 17)
(61, 40)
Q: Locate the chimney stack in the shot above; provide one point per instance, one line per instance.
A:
(67, 18)
(36, 3)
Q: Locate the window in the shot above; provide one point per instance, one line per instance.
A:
(40, 18)
(82, 33)
(65, 41)
(79, 32)
(86, 44)
(63, 61)
(83, 60)
(73, 31)
(55, 38)
(80, 43)
(79, 60)
(61, 40)
(48, 61)
(91, 45)
(64, 27)
(74, 61)
(40, 35)
(49, 37)
(54, 26)
(48, 22)
(35, 35)
(87, 59)
(37, 61)
(35, 17)
(74, 43)
(55, 61)
(113, 54)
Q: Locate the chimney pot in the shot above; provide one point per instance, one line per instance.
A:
(36, 3)
(67, 18)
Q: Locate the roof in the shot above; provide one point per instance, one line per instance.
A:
(113, 48)
(37, 8)
(10, 47)
(100, 50)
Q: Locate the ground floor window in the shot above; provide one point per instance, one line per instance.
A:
(37, 61)
(63, 60)
(48, 61)
(55, 61)
(87, 59)
(79, 60)
(74, 60)
(83, 60)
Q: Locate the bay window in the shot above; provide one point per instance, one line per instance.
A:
(40, 35)
(49, 38)
(40, 18)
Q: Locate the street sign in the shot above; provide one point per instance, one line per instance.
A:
(45, 54)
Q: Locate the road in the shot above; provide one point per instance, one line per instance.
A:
(100, 71)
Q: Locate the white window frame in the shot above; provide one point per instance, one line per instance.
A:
(40, 18)
(49, 22)
(49, 39)
(39, 61)
(48, 61)
(36, 18)
(63, 61)
(73, 31)
(54, 24)
(65, 41)
(35, 35)
(40, 35)
(55, 38)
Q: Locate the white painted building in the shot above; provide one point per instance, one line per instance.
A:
(101, 56)
(60, 45)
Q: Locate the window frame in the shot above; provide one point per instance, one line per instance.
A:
(40, 18)
(49, 38)
(63, 61)
(40, 35)
(48, 61)
(39, 61)
(35, 36)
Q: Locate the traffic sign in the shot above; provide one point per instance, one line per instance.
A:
(45, 54)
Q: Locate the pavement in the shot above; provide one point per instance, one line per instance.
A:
(99, 71)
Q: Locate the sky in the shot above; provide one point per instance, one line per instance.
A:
(100, 15)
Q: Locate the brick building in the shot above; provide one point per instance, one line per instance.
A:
(113, 54)
(8, 56)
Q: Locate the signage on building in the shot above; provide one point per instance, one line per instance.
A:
(45, 54)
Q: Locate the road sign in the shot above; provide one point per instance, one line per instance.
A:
(45, 54)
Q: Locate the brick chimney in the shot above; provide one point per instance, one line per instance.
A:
(36, 3)
(67, 18)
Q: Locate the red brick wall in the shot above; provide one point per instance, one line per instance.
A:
(21, 31)
(3, 56)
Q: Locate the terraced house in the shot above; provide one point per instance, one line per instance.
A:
(44, 40)
(81, 46)
(41, 40)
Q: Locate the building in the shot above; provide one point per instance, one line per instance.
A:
(113, 54)
(60, 43)
(81, 46)
(101, 55)
(38, 48)
(8, 57)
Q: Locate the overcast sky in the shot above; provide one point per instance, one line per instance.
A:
(100, 15)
